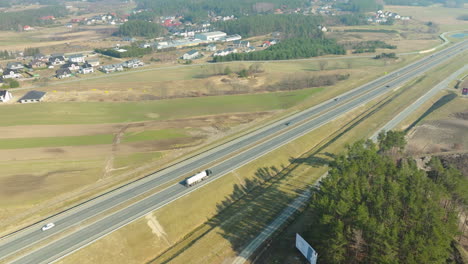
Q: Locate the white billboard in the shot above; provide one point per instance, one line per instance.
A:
(306, 250)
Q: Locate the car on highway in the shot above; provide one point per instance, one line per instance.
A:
(336, 99)
(287, 123)
(48, 226)
(388, 86)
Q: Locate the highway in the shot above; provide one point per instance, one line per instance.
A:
(273, 136)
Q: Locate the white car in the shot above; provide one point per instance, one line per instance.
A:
(48, 226)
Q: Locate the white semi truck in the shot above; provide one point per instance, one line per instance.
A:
(200, 176)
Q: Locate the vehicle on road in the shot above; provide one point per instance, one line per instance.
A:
(48, 226)
(336, 99)
(200, 176)
(388, 86)
(287, 123)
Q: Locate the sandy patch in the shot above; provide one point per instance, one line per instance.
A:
(156, 228)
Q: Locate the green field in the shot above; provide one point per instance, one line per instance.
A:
(15, 143)
(149, 135)
(108, 112)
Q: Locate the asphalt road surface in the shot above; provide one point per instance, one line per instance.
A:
(273, 136)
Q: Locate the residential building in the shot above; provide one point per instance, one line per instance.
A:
(33, 97)
(78, 58)
(133, 63)
(41, 57)
(5, 96)
(241, 43)
(111, 68)
(93, 62)
(37, 64)
(14, 65)
(211, 47)
(225, 52)
(86, 69)
(57, 60)
(211, 36)
(63, 73)
(72, 66)
(193, 54)
(11, 74)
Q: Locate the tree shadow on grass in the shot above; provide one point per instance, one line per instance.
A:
(240, 214)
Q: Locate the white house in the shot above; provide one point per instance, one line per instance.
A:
(57, 60)
(133, 63)
(111, 68)
(77, 58)
(11, 74)
(63, 73)
(72, 66)
(225, 52)
(241, 43)
(5, 96)
(32, 97)
(191, 55)
(86, 68)
(211, 47)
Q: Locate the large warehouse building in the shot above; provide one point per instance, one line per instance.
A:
(211, 36)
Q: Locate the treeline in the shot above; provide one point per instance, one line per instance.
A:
(140, 28)
(297, 82)
(131, 51)
(289, 25)
(384, 55)
(375, 208)
(355, 19)
(31, 51)
(30, 17)
(295, 48)
(199, 9)
(367, 46)
(359, 5)
(6, 55)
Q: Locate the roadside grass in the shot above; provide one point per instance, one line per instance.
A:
(40, 180)
(15, 143)
(105, 112)
(458, 104)
(135, 159)
(150, 135)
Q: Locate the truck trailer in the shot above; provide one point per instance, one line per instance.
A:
(198, 177)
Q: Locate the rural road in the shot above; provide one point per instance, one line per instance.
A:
(276, 135)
